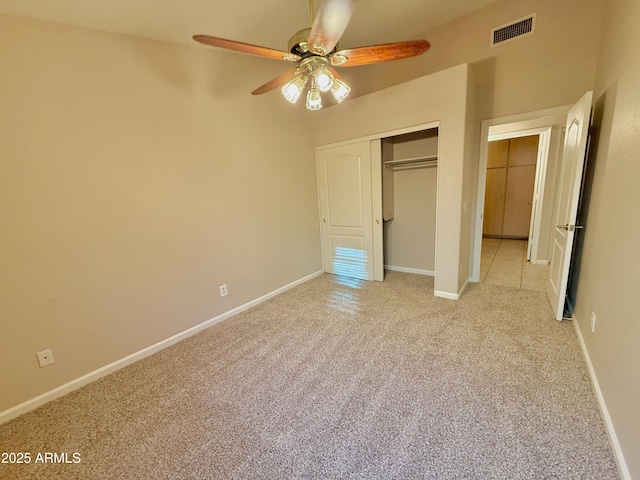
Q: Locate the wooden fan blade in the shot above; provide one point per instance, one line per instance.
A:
(331, 21)
(279, 81)
(246, 48)
(379, 53)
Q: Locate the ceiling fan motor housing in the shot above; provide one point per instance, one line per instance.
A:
(299, 44)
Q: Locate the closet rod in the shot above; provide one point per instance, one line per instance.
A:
(418, 162)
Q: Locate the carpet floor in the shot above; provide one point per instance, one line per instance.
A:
(339, 378)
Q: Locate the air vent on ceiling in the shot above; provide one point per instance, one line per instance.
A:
(516, 29)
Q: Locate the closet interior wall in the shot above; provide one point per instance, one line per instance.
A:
(409, 201)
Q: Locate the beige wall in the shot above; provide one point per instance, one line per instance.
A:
(469, 181)
(410, 237)
(132, 181)
(135, 178)
(553, 67)
(415, 145)
(610, 268)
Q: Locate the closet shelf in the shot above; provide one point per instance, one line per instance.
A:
(417, 162)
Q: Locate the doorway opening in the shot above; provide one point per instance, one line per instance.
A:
(515, 189)
(510, 187)
(548, 126)
(409, 196)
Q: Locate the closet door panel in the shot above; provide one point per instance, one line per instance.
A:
(498, 154)
(517, 209)
(494, 201)
(523, 151)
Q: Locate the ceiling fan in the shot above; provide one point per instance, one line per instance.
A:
(316, 52)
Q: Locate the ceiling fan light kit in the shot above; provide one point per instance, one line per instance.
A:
(293, 89)
(314, 69)
(340, 90)
(314, 100)
(315, 51)
(324, 80)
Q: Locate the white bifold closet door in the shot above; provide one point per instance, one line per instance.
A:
(350, 192)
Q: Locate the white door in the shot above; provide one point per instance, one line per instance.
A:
(538, 184)
(575, 145)
(346, 183)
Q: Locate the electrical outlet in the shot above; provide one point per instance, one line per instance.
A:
(223, 290)
(593, 322)
(45, 357)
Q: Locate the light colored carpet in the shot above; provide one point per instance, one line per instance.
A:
(341, 379)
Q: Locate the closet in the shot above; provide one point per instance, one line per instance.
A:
(511, 171)
(409, 186)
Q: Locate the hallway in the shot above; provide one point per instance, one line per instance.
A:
(504, 262)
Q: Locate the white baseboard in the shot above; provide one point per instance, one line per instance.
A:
(431, 273)
(464, 287)
(68, 387)
(540, 262)
(608, 424)
(417, 271)
(449, 295)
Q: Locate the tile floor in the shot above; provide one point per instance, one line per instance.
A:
(504, 262)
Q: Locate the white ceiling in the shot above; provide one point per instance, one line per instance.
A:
(263, 22)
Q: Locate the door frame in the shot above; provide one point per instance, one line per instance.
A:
(510, 125)
(376, 189)
(542, 158)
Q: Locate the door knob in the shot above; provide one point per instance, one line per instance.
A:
(570, 228)
(377, 222)
(324, 220)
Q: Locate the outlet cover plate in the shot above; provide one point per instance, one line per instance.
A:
(45, 357)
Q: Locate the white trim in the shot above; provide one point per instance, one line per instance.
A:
(452, 296)
(623, 470)
(68, 387)
(376, 136)
(520, 133)
(417, 271)
(540, 262)
(522, 117)
(377, 225)
(464, 286)
(544, 146)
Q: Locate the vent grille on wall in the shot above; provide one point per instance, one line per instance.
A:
(519, 28)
